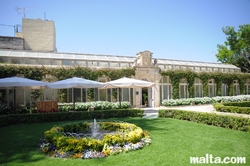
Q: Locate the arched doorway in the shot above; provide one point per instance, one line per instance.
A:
(144, 92)
(146, 96)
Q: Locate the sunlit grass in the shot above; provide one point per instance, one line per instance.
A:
(173, 142)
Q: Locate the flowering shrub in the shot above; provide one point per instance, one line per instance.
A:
(4, 109)
(89, 154)
(205, 100)
(127, 137)
(98, 105)
(115, 149)
(231, 98)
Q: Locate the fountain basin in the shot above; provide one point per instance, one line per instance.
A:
(77, 137)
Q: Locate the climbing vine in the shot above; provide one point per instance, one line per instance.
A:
(61, 73)
(40, 73)
(219, 77)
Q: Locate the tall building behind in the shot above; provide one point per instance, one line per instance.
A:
(38, 35)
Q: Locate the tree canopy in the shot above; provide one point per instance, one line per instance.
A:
(236, 49)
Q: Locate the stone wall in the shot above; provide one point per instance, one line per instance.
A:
(39, 35)
(13, 43)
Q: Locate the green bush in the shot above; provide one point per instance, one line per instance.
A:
(238, 104)
(241, 107)
(231, 122)
(10, 119)
(5, 109)
(97, 105)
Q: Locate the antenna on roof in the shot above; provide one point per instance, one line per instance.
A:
(23, 10)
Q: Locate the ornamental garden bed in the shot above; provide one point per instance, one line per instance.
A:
(93, 139)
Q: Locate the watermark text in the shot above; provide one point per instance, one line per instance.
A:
(210, 159)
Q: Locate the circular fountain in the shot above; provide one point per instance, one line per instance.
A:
(94, 132)
(96, 137)
(94, 129)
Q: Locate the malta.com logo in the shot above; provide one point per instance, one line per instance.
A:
(210, 159)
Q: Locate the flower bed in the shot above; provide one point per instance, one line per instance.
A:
(97, 105)
(205, 100)
(5, 109)
(127, 137)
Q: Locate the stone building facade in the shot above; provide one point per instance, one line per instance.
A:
(36, 46)
(147, 70)
(36, 35)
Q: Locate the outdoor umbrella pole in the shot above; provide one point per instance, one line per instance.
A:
(127, 83)
(19, 82)
(74, 99)
(75, 82)
(14, 100)
(120, 97)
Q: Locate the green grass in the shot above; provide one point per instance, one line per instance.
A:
(173, 142)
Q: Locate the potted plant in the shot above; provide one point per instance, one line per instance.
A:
(145, 99)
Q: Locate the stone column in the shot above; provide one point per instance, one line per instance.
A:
(157, 93)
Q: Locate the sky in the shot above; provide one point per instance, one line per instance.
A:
(170, 29)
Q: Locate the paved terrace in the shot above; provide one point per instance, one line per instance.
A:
(153, 112)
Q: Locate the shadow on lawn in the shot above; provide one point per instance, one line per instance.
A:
(20, 157)
(19, 143)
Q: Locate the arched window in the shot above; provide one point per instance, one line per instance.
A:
(224, 88)
(165, 88)
(211, 88)
(198, 88)
(183, 89)
(247, 86)
(236, 89)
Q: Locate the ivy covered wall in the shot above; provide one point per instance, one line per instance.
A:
(219, 77)
(61, 73)
(39, 73)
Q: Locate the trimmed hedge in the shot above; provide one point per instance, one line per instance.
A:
(6, 120)
(238, 104)
(235, 107)
(231, 122)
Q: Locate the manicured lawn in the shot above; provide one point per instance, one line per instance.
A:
(173, 142)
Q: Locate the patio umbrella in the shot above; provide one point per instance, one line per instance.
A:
(127, 83)
(19, 82)
(75, 82)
